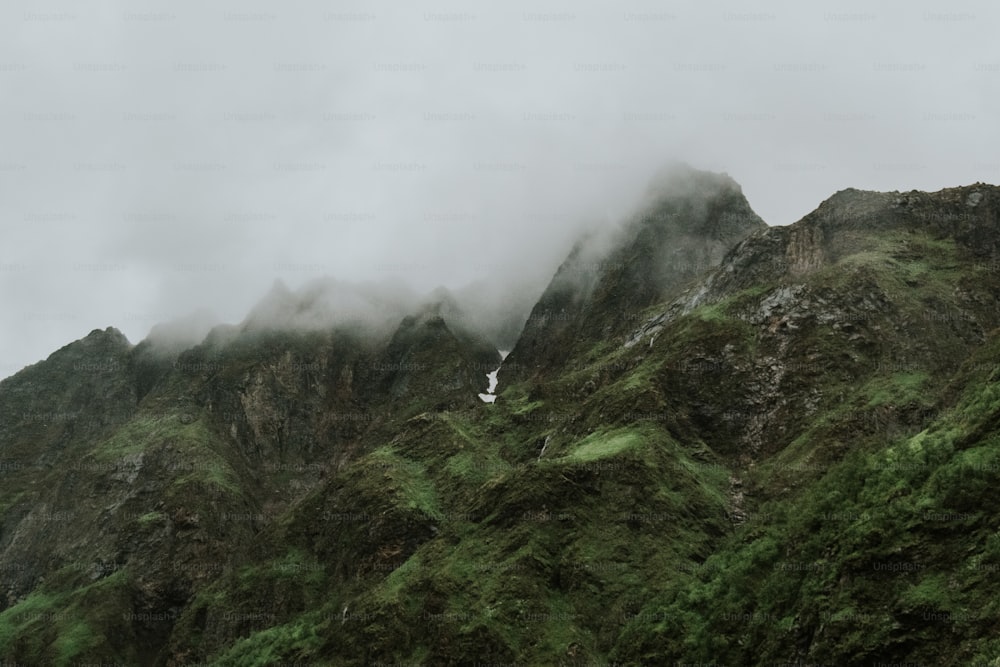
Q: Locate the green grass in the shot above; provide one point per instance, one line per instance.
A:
(206, 467)
(151, 517)
(412, 487)
(76, 639)
(62, 625)
(191, 438)
(301, 638)
(898, 389)
(526, 407)
(15, 620)
(477, 468)
(146, 431)
(604, 445)
(392, 588)
(713, 312)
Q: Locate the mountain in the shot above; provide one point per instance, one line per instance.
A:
(687, 222)
(714, 442)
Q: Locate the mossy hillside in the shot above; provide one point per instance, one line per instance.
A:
(885, 408)
(562, 524)
(206, 488)
(181, 446)
(286, 586)
(906, 257)
(889, 550)
(891, 390)
(300, 638)
(931, 289)
(494, 585)
(141, 498)
(460, 451)
(626, 384)
(53, 411)
(67, 627)
(374, 515)
(485, 577)
(836, 339)
(602, 445)
(265, 409)
(294, 404)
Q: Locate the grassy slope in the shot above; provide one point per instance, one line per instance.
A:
(531, 560)
(889, 556)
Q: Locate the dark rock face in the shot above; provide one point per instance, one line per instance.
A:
(690, 220)
(426, 358)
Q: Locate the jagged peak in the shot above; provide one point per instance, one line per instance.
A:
(110, 334)
(98, 341)
(328, 302)
(108, 331)
(681, 179)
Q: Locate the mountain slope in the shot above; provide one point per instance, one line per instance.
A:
(784, 455)
(140, 474)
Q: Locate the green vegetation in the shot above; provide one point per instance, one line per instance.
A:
(60, 627)
(408, 481)
(603, 445)
(898, 388)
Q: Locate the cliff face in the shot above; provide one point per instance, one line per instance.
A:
(715, 442)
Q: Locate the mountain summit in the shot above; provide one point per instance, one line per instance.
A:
(689, 220)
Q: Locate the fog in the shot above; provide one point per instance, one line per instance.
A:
(328, 303)
(169, 158)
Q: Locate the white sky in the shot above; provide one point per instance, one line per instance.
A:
(157, 158)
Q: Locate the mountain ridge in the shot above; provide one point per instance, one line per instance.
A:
(777, 448)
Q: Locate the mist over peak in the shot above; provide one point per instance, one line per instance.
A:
(183, 332)
(677, 178)
(328, 302)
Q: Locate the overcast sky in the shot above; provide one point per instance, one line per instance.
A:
(157, 158)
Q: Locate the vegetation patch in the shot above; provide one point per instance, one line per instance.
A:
(603, 445)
